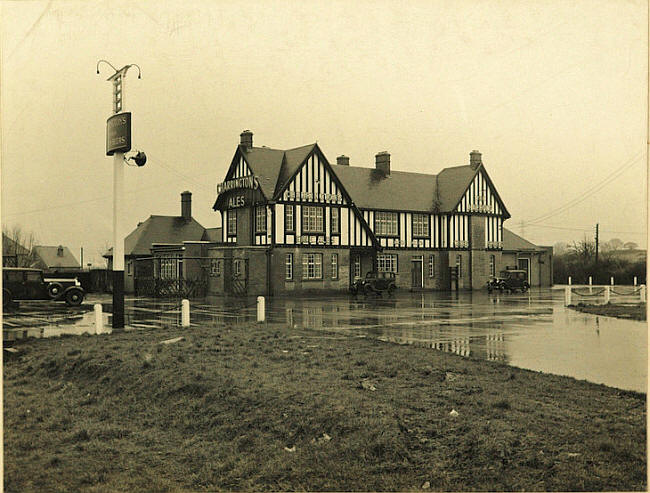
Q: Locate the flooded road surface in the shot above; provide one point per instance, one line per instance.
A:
(532, 330)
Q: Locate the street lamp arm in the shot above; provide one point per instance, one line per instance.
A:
(106, 62)
(135, 65)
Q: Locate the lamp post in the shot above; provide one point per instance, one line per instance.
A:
(118, 141)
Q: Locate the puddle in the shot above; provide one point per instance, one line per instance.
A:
(532, 330)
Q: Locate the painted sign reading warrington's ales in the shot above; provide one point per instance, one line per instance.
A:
(243, 182)
(118, 133)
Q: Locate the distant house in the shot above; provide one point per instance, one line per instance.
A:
(13, 253)
(519, 253)
(158, 230)
(55, 259)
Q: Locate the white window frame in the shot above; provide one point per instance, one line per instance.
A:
(288, 267)
(312, 266)
(312, 219)
(432, 266)
(335, 221)
(215, 267)
(459, 265)
(387, 262)
(260, 219)
(357, 266)
(420, 225)
(289, 218)
(386, 223)
(335, 265)
(231, 220)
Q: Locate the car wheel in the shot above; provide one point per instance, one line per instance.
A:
(525, 287)
(391, 290)
(74, 297)
(6, 298)
(367, 289)
(54, 290)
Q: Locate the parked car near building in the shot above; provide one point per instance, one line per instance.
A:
(375, 282)
(509, 280)
(29, 284)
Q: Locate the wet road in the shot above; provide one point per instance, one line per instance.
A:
(532, 330)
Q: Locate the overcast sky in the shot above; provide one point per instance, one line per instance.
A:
(553, 93)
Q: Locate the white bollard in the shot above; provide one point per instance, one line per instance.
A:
(634, 281)
(606, 295)
(611, 280)
(642, 293)
(185, 313)
(99, 319)
(590, 283)
(567, 295)
(569, 280)
(260, 309)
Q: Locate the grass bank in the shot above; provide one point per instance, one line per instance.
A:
(271, 408)
(629, 311)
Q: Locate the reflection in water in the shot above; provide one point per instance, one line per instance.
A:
(532, 330)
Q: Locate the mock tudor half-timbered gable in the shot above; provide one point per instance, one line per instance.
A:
(313, 208)
(480, 197)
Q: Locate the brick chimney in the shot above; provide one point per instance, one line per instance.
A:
(186, 205)
(475, 159)
(382, 162)
(246, 139)
(343, 160)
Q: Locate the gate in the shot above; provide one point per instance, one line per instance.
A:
(236, 276)
(171, 277)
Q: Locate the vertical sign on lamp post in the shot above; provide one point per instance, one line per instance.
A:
(118, 141)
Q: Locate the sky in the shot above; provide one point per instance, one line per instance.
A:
(553, 93)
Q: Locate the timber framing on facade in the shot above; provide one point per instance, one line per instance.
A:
(299, 223)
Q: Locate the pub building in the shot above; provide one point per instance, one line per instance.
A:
(294, 222)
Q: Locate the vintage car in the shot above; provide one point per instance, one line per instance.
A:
(509, 280)
(375, 282)
(29, 284)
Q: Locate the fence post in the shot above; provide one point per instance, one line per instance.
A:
(569, 280)
(611, 280)
(260, 309)
(99, 319)
(606, 294)
(635, 281)
(185, 313)
(642, 292)
(590, 283)
(567, 295)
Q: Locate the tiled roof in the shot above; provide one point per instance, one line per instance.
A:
(265, 163)
(452, 183)
(50, 258)
(213, 234)
(160, 229)
(369, 189)
(513, 242)
(293, 159)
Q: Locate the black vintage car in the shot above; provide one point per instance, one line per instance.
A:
(29, 284)
(509, 280)
(375, 282)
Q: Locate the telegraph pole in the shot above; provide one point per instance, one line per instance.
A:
(596, 244)
(118, 141)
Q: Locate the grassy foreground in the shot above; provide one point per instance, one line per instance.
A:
(632, 312)
(272, 408)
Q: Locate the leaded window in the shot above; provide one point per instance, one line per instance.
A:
(260, 219)
(335, 266)
(420, 225)
(335, 220)
(232, 223)
(386, 223)
(288, 267)
(289, 220)
(312, 266)
(312, 219)
(387, 263)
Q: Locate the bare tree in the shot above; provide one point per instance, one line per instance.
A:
(17, 247)
(630, 245)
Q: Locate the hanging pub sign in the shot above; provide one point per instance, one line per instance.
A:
(118, 133)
